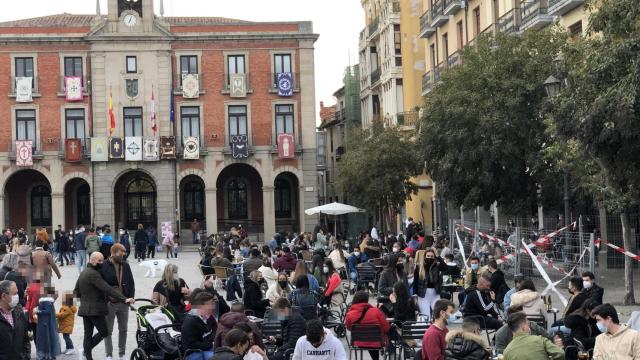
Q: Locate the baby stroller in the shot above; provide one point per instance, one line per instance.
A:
(157, 334)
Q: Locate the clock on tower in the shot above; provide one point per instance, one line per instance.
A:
(134, 5)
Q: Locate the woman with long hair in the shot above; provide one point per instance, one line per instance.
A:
(427, 280)
(333, 292)
(316, 270)
(338, 256)
(301, 269)
(268, 274)
(281, 289)
(171, 291)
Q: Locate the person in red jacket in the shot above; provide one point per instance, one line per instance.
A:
(286, 262)
(333, 292)
(363, 313)
(433, 341)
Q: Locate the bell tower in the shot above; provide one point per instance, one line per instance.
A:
(143, 9)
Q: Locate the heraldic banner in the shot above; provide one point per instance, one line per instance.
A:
(24, 89)
(73, 88)
(191, 148)
(238, 85)
(167, 147)
(133, 148)
(116, 148)
(285, 84)
(239, 146)
(72, 150)
(190, 86)
(99, 149)
(24, 153)
(151, 152)
(286, 146)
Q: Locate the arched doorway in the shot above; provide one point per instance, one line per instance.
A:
(135, 200)
(286, 204)
(77, 203)
(239, 198)
(28, 200)
(192, 201)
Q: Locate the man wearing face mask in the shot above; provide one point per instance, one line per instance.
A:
(14, 337)
(471, 276)
(292, 327)
(352, 262)
(434, 339)
(199, 327)
(593, 291)
(117, 273)
(617, 341)
(93, 293)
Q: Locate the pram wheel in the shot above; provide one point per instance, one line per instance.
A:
(139, 354)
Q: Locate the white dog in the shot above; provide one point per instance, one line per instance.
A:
(153, 266)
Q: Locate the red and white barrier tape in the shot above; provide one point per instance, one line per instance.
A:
(487, 236)
(618, 249)
(545, 238)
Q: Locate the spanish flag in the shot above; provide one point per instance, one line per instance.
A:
(112, 117)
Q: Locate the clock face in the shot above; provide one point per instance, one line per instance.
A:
(130, 20)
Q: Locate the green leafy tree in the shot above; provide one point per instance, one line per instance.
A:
(376, 170)
(483, 130)
(600, 108)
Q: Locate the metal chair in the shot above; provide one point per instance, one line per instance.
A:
(538, 319)
(364, 333)
(308, 312)
(483, 327)
(366, 274)
(412, 331)
(271, 328)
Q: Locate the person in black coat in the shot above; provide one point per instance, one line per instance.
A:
(236, 345)
(14, 339)
(592, 290)
(293, 326)
(466, 344)
(480, 301)
(498, 284)
(582, 325)
(199, 326)
(141, 242)
(253, 299)
(64, 246)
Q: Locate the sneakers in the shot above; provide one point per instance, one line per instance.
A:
(81, 354)
(70, 352)
(108, 358)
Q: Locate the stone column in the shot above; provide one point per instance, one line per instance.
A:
(302, 215)
(57, 210)
(211, 205)
(2, 224)
(269, 214)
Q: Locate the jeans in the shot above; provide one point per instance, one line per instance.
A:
(63, 255)
(81, 260)
(195, 237)
(121, 311)
(151, 251)
(67, 341)
(204, 355)
(489, 322)
(90, 340)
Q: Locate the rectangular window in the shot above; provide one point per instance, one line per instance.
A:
(74, 123)
(189, 64)
(26, 125)
(476, 21)
(575, 29)
(24, 68)
(284, 119)
(281, 64)
(133, 121)
(445, 46)
(238, 120)
(432, 51)
(73, 66)
(460, 33)
(190, 117)
(132, 64)
(235, 64)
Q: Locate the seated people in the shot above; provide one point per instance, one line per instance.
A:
(616, 341)
(333, 293)
(219, 258)
(268, 274)
(293, 326)
(480, 302)
(529, 347)
(198, 328)
(392, 273)
(229, 320)
(403, 307)
(301, 269)
(171, 291)
(575, 302)
(517, 279)
(528, 298)
(254, 262)
(221, 305)
(254, 352)
(207, 269)
(452, 268)
(338, 256)
(504, 335)
(304, 298)
(253, 299)
(466, 344)
(593, 291)
(363, 313)
(471, 276)
(433, 340)
(498, 284)
(236, 345)
(582, 325)
(318, 344)
(371, 248)
(286, 262)
(356, 258)
(281, 289)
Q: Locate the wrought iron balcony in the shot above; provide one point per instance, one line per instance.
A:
(85, 144)
(375, 76)
(508, 23)
(395, 7)
(534, 14)
(177, 87)
(437, 71)
(408, 118)
(295, 79)
(426, 30)
(426, 83)
(62, 86)
(438, 18)
(226, 85)
(35, 86)
(36, 151)
(451, 7)
(561, 7)
(373, 26)
(454, 60)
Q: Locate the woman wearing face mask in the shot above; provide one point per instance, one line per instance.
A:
(117, 273)
(171, 291)
(582, 325)
(199, 327)
(393, 273)
(333, 293)
(253, 299)
(427, 280)
(280, 289)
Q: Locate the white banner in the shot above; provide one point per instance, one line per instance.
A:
(545, 276)
(133, 148)
(464, 258)
(24, 89)
(73, 88)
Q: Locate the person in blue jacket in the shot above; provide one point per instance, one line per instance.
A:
(153, 242)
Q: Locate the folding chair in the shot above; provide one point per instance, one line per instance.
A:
(538, 319)
(483, 327)
(412, 332)
(364, 333)
(366, 275)
(271, 328)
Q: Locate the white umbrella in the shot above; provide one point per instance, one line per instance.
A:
(334, 209)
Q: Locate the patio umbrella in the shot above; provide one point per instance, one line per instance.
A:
(334, 209)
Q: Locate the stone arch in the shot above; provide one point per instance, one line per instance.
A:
(76, 175)
(189, 172)
(288, 169)
(36, 167)
(126, 171)
(223, 165)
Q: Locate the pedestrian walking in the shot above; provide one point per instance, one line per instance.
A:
(140, 241)
(92, 291)
(63, 248)
(107, 243)
(125, 240)
(153, 242)
(195, 230)
(66, 317)
(92, 242)
(44, 263)
(168, 243)
(117, 273)
(81, 251)
(47, 342)
(14, 336)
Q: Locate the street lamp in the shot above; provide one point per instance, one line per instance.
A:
(552, 86)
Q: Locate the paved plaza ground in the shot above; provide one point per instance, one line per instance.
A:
(612, 281)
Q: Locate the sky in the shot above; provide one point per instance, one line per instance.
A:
(338, 22)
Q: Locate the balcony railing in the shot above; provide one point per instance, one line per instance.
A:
(373, 26)
(226, 86)
(36, 152)
(408, 118)
(561, 7)
(62, 86)
(454, 60)
(294, 78)
(438, 18)
(534, 14)
(489, 30)
(426, 83)
(339, 115)
(35, 88)
(395, 7)
(375, 76)
(426, 30)
(86, 148)
(508, 23)
(451, 7)
(437, 71)
(177, 87)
